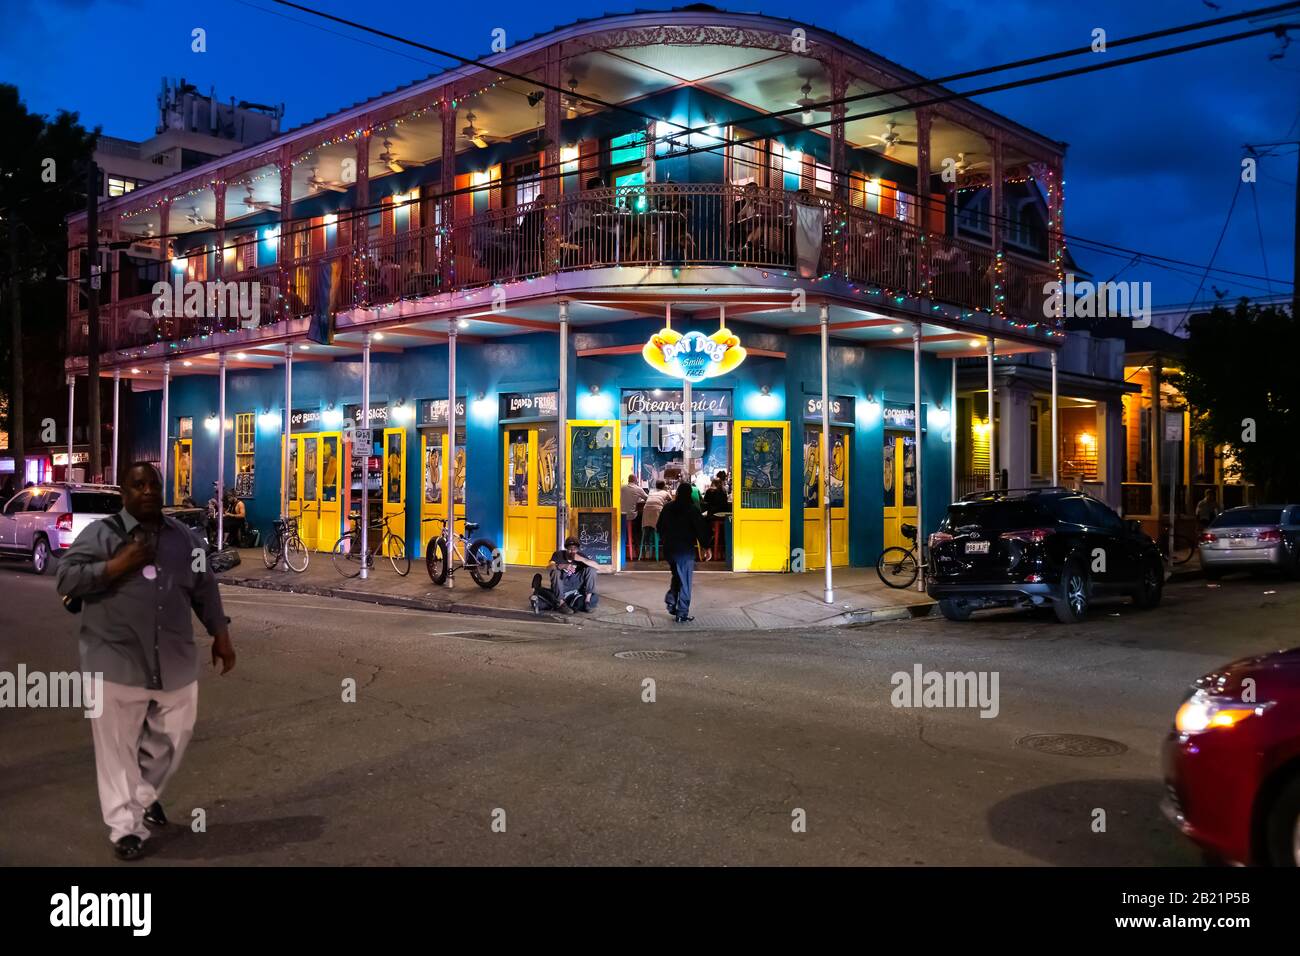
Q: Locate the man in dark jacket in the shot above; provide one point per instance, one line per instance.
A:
(681, 527)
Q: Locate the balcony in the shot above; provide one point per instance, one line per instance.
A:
(658, 224)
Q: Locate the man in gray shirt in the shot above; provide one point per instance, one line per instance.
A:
(138, 575)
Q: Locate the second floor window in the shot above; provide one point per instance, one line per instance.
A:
(118, 186)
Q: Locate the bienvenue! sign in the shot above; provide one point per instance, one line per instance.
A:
(693, 356)
(704, 403)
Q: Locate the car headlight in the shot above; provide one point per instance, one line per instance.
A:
(1202, 712)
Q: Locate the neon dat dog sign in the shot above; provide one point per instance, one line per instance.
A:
(693, 356)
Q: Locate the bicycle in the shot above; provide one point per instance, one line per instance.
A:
(1184, 545)
(897, 566)
(285, 542)
(347, 550)
(480, 557)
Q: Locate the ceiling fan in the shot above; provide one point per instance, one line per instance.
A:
(315, 182)
(196, 219)
(259, 205)
(389, 159)
(575, 105)
(892, 137)
(964, 165)
(808, 104)
(479, 137)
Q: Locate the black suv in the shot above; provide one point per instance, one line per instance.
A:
(1027, 548)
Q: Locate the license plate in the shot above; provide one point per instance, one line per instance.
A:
(977, 547)
(1241, 542)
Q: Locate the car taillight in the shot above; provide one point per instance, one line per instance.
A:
(1031, 535)
(1207, 538)
(940, 537)
(1271, 536)
(63, 522)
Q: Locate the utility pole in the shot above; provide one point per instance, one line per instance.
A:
(17, 438)
(95, 470)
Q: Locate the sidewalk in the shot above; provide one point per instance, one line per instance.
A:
(722, 599)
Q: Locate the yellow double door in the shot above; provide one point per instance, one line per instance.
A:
(316, 492)
(814, 521)
(760, 496)
(899, 491)
(440, 483)
(532, 493)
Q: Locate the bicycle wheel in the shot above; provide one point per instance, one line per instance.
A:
(397, 554)
(435, 560)
(484, 563)
(347, 555)
(896, 567)
(1184, 548)
(296, 554)
(271, 552)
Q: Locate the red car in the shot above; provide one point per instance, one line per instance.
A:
(1232, 762)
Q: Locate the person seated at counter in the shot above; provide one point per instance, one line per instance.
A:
(715, 499)
(654, 504)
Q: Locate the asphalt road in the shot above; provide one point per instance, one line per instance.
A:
(460, 722)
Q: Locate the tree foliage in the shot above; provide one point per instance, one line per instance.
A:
(1240, 376)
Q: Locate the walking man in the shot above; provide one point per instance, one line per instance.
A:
(138, 575)
(681, 528)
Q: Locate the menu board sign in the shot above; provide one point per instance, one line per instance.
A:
(516, 406)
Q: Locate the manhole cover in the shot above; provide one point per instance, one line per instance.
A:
(1072, 745)
(648, 655)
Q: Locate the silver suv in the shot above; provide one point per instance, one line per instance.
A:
(42, 521)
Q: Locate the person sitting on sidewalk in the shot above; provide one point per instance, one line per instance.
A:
(573, 577)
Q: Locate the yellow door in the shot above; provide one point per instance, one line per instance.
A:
(433, 503)
(295, 480)
(309, 481)
(591, 483)
(532, 493)
(329, 510)
(761, 496)
(395, 482)
(899, 487)
(183, 469)
(814, 534)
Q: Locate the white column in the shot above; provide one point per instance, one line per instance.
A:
(993, 444)
(287, 435)
(916, 426)
(450, 529)
(162, 454)
(221, 448)
(72, 397)
(562, 439)
(829, 593)
(687, 407)
(117, 400)
(952, 432)
(1056, 445)
(365, 465)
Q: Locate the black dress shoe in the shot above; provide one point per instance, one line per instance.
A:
(128, 848)
(154, 816)
(683, 620)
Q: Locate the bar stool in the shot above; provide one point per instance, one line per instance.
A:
(717, 540)
(654, 539)
(630, 523)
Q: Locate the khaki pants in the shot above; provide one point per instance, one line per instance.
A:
(140, 739)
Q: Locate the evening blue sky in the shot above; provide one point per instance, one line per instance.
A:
(1154, 149)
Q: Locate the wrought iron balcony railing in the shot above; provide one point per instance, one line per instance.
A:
(658, 224)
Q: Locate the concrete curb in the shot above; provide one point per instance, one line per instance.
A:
(389, 600)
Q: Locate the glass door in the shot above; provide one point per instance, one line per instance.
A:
(899, 476)
(761, 496)
(814, 533)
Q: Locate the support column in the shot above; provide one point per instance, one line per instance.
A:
(365, 466)
(825, 483)
(285, 248)
(997, 174)
(1056, 444)
(72, 396)
(361, 226)
(552, 184)
(562, 439)
(449, 530)
(923, 201)
(117, 404)
(916, 432)
(446, 186)
(839, 166)
(952, 431)
(219, 197)
(162, 445)
(287, 435)
(993, 444)
(221, 449)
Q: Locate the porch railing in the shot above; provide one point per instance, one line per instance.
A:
(657, 224)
